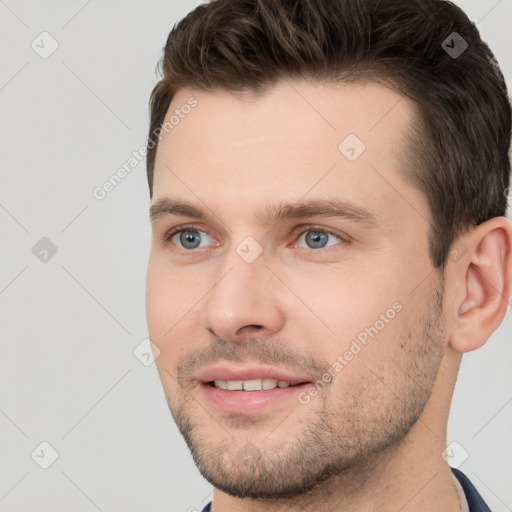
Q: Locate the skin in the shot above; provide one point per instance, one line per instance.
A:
(373, 438)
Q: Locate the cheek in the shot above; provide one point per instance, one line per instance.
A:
(369, 318)
(349, 302)
(369, 356)
(157, 293)
(171, 316)
(169, 297)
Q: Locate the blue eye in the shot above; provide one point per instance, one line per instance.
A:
(188, 238)
(318, 238)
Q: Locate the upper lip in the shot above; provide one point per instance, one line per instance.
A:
(223, 372)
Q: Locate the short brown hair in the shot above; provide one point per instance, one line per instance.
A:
(459, 145)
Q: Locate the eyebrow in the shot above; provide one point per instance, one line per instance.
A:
(277, 212)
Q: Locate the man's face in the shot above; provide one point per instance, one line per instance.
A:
(354, 318)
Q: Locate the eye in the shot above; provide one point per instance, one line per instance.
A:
(187, 238)
(318, 238)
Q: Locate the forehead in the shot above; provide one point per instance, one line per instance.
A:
(296, 139)
(304, 111)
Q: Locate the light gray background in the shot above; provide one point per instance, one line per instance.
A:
(69, 326)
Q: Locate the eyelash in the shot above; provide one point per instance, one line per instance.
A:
(190, 227)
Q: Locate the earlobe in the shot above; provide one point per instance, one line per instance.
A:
(484, 276)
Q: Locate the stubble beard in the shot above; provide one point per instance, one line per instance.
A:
(344, 438)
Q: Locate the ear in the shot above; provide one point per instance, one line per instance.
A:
(483, 275)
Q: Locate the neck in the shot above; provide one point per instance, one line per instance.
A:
(409, 477)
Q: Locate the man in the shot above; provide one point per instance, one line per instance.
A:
(329, 186)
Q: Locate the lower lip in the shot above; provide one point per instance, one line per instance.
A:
(240, 401)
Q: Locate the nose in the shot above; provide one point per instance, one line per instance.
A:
(244, 299)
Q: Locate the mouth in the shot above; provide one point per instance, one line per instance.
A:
(252, 396)
(236, 389)
(252, 384)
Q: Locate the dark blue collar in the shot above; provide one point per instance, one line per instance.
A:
(475, 501)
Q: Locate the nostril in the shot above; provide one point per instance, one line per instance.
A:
(249, 327)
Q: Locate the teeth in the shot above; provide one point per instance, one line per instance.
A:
(268, 383)
(250, 385)
(253, 385)
(233, 385)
